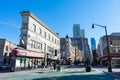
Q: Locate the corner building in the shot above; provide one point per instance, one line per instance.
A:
(36, 36)
(6, 48)
(114, 49)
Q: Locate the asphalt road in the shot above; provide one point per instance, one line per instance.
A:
(71, 73)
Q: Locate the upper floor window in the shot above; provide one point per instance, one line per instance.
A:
(40, 31)
(113, 49)
(49, 36)
(45, 34)
(6, 48)
(55, 41)
(44, 47)
(52, 39)
(33, 27)
(118, 48)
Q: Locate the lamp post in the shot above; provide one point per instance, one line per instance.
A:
(75, 55)
(109, 58)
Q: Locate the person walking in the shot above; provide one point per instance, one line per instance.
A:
(43, 65)
(28, 65)
(54, 65)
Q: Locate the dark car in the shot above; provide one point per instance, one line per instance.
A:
(6, 66)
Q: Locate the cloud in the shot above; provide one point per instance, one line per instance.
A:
(9, 24)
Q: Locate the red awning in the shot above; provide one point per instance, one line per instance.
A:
(20, 52)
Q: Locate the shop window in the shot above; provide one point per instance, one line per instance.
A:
(20, 60)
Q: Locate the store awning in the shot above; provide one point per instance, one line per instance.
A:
(20, 52)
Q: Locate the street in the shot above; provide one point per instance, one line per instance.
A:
(70, 73)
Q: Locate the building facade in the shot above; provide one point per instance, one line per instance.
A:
(93, 44)
(6, 48)
(114, 49)
(82, 44)
(82, 33)
(69, 52)
(76, 30)
(94, 52)
(36, 36)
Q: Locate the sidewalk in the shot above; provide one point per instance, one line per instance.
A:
(115, 72)
(25, 72)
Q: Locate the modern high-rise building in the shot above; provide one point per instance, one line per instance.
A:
(79, 42)
(76, 30)
(82, 33)
(94, 51)
(93, 44)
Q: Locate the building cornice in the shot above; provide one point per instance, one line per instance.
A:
(28, 13)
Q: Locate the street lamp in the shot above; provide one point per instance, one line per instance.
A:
(75, 55)
(109, 58)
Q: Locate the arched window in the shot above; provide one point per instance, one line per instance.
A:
(5, 54)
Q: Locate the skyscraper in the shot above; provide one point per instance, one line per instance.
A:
(76, 30)
(82, 33)
(94, 53)
(93, 44)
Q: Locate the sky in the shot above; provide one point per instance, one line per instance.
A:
(60, 15)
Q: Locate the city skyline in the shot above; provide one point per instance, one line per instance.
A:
(60, 15)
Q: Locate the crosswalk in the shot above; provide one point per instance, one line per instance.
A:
(74, 69)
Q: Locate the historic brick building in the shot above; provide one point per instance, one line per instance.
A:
(5, 49)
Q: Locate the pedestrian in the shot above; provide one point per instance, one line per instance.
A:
(43, 65)
(54, 65)
(28, 65)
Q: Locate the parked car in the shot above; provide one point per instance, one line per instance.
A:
(6, 66)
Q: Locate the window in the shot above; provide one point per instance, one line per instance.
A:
(33, 27)
(45, 34)
(31, 44)
(55, 41)
(6, 48)
(40, 31)
(41, 46)
(5, 54)
(44, 47)
(52, 39)
(49, 36)
(118, 47)
(55, 53)
(113, 48)
(38, 45)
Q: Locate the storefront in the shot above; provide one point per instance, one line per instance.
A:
(25, 60)
(115, 60)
